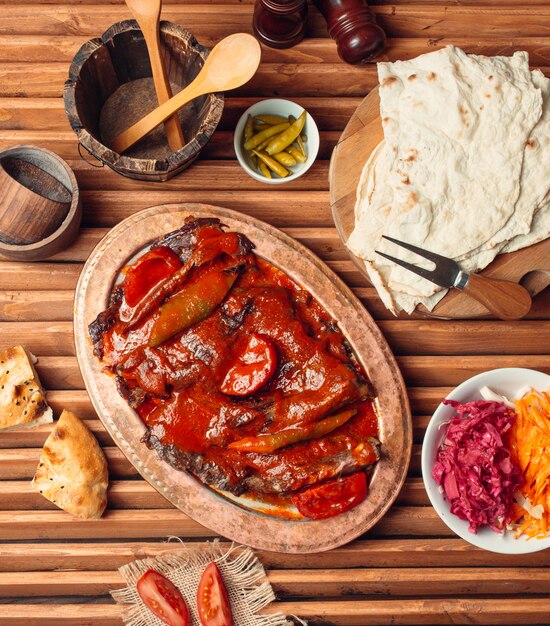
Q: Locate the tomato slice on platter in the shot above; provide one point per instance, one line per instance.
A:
(252, 368)
(148, 270)
(332, 498)
(163, 598)
(212, 599)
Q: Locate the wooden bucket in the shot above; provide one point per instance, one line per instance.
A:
(110, 87)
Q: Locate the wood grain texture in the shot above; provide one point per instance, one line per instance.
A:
(378, 579)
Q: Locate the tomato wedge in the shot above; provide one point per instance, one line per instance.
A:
(150, 269)
(332, 498)
(212, 599)
(253, 367)
(163, 598)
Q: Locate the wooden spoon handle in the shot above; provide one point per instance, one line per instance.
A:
(174, 132)
(507, 300)
(145, 125)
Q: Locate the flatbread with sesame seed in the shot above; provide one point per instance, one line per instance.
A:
(22, 398)
(72, 472)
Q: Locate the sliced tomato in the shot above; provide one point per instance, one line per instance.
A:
(332, 498)
(252, 368)
(147, 271)
(163, 598)
(212, 599)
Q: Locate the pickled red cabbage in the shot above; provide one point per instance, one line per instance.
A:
(474, 465)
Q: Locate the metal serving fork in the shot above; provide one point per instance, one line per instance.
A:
(507, 300)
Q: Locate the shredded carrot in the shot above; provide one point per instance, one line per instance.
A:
(530, 450)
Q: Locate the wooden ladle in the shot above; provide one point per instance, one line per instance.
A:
(147, 14)
(230, 64)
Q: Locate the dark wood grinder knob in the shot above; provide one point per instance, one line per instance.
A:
(353, 26)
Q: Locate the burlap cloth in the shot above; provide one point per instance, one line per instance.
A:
(243, 574)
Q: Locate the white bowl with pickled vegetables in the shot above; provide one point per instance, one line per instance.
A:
(485, 460)
(283, 141)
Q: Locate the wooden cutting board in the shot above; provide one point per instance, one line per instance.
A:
(363, 133)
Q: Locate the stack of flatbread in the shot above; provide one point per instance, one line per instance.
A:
(463, 171)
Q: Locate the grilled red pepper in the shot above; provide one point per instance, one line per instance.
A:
(150, 269)
(332, 498)
(266, 444)
(253, 367)
(208, 249)
(193, 303)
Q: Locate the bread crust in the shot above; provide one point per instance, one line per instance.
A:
(72, 472)
(22, 397)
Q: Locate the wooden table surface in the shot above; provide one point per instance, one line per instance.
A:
(410, 568)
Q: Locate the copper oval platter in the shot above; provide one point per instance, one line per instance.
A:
(236, 518)
(360, 137)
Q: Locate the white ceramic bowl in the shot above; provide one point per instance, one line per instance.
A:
(283, 108)
(507, 382)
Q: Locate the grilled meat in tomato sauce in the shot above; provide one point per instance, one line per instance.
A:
(240, 375)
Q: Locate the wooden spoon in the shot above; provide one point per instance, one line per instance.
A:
(147, 14)
(230, 64)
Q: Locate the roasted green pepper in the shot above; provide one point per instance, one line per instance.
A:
(266, 444)
(193, 303)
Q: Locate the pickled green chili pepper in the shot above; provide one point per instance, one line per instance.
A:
(260, 137)
(249, 128)
(193, 303)
(266, 444)
(300, 143)
(296, 154)
(286, 138)
(285, 158)
(263, 168)
(273, 165)
(270, 119)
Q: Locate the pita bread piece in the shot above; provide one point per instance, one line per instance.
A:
(72, 472)
(22, 398)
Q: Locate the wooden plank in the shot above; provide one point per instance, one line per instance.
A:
(406, 337)
(35, 437)
(418, 552)
(61, 372)
(424, 400)
(445, 611)
(64, 144)
(21, 306)
(139, 494)
(58, 48)
(210, 24)
(28, 114)
(312, 79)
(303, 583)
(21, 463)
(153, 523)
(304, 79)
(341, 612)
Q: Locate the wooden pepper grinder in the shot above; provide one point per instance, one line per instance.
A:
(280, 23)
(353, 26)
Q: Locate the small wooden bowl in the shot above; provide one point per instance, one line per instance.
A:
(110, 87)
(40, 208)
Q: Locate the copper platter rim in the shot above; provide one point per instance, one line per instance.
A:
(197, 500)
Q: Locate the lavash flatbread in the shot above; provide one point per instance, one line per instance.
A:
(22, 398)
(72, 472)
(439, 179)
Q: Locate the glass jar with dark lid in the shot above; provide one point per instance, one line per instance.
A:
(280, 23)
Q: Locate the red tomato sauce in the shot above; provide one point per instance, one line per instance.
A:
(315, 376)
